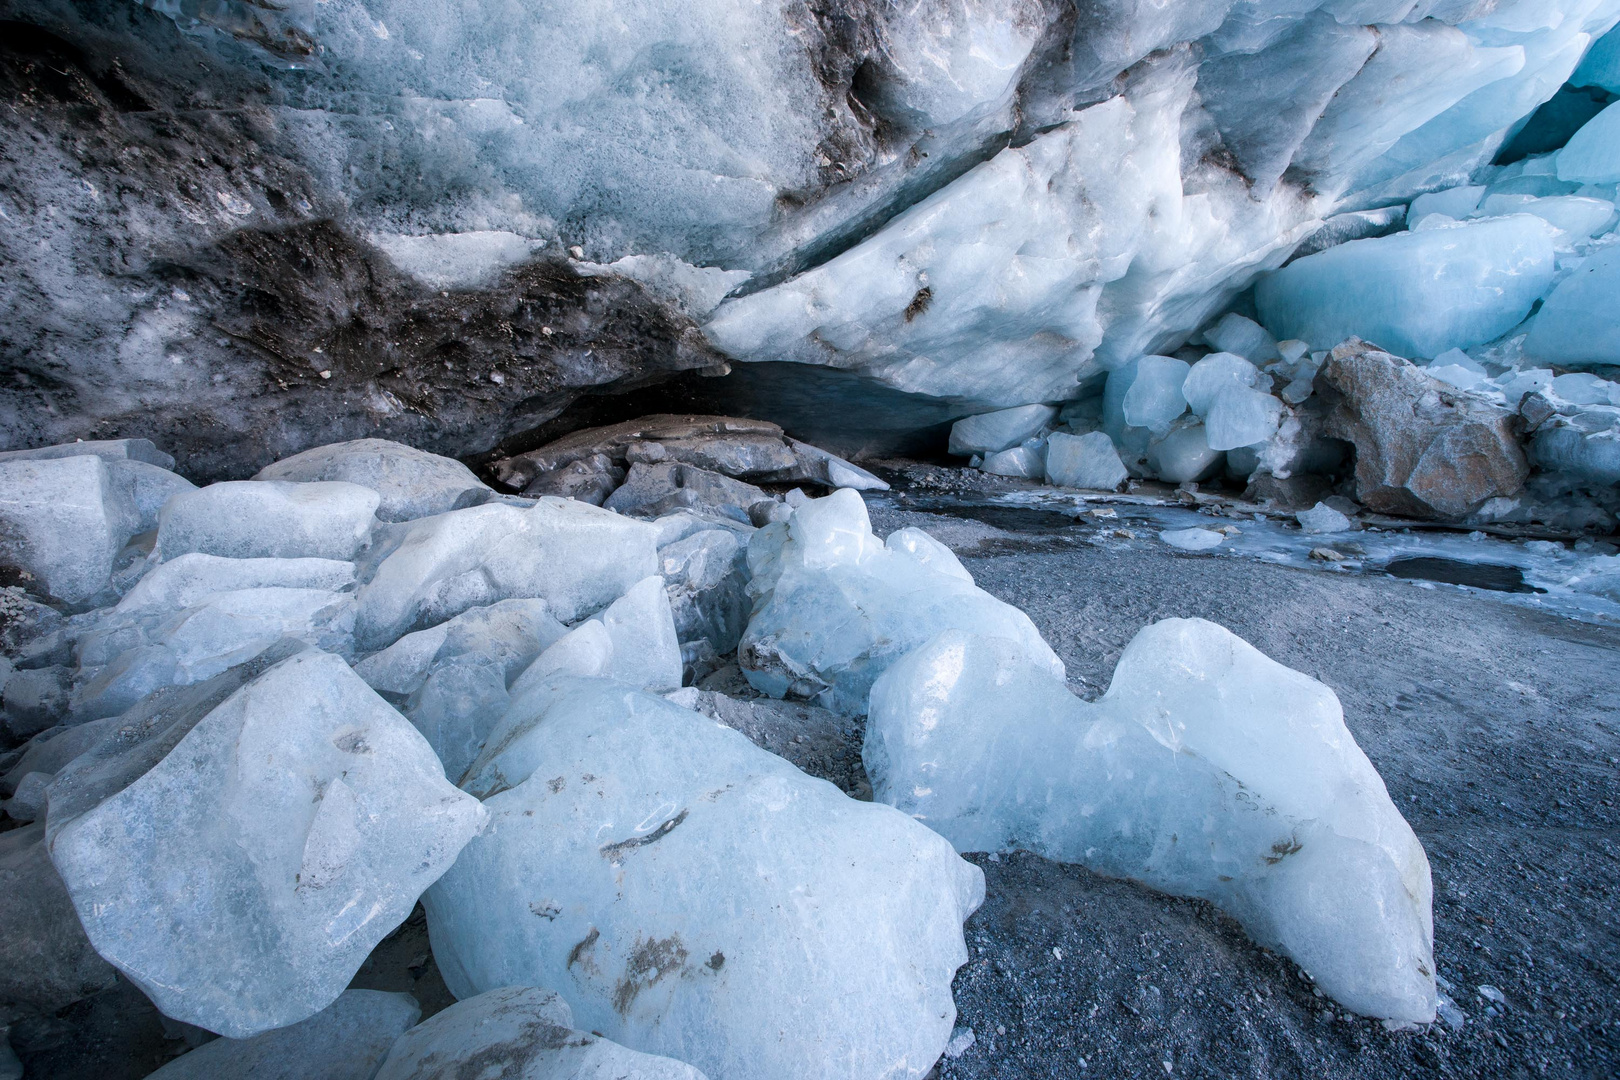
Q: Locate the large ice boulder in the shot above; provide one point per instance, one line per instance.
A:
(835, 605)
(1415, 293)
(192, 578)
(410, 483)
(691, 895)
(63, 522)
(530, 1033)
(1084, 461)
(1423, 448)
(577, 557)
(269, 519)
(347, 1040)
(237, 847)
(1576, 327)
(1207, 770)
(993, 432)
(706, 574)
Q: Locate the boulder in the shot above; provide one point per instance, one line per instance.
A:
(653, 490)
(1423, 448)
(410, 483)
(238, 847)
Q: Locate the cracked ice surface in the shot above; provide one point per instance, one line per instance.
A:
(694, 896)
(1207, 770)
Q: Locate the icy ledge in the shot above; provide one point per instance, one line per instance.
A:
(1207, 770)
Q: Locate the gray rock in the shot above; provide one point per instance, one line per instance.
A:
(525, 1032)
(731, 446)
(1584, 445)
(51, 749)
(347, 1040)
(1423, 448)
(27, 802)
(589, 479)
(411, 483)
(46, 961)
(653, 490)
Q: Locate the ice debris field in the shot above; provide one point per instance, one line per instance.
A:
(257, 737)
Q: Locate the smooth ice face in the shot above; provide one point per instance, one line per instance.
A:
(410, 483)
(1027, 461)
(1183, 455)
(1242, 337)
(691, 895)
(347, 1039)
(993, 432)
(633, 641)
(1592, 155)
(62, 521)
(1206, 770)
(269, 519)
(1155, 398)
(835, 607)
(530, 1033)
(238, 847)
(1576, 326)
(1414, 294)
(1084, 461)
(1212, 375)
(575, 556)
(1239, 416)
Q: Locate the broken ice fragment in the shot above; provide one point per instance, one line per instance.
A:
(62, 521)
(1322, 518)
(237, 847)
(1194, 539)
(410, 483)
(275, 519)
(694, 896)
(1084, 461)
(993, 432)
(1207, 770)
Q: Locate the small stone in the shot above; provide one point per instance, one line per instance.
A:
(1323, 554)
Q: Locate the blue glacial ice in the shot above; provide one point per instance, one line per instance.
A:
(1206, 770)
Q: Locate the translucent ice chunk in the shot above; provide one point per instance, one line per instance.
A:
(1579, 217)
(1243, 337)
(1155, 398)
(1592, 155)
(1576, 327)
(1084, 461)
(1457, 202)
(992, 432)
(1206, 770)
(835, 607)
(924, 549)
(1322, 518)
(1214, 373)
(1184, 455)
(1582, 388)
(62, 521)
(634, 641)
(529, 1032)
(1416, 294)
(239, 846)
(1601, 65)
(1194, 539)
(671, 879)
(1027, 461)
(510, 633)
(577, 557)
(411, 483)
(269, 519)
(191, 578)
(347, 1040)
(1239, 416)
(706, 576)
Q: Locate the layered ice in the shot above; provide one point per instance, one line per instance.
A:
(530, 1033)
(1206, 770)
(691, 895)
(236, 848)
(835, 605)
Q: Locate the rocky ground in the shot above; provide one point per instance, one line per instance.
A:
(1495, 729)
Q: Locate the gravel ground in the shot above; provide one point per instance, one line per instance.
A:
(1493, 727)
